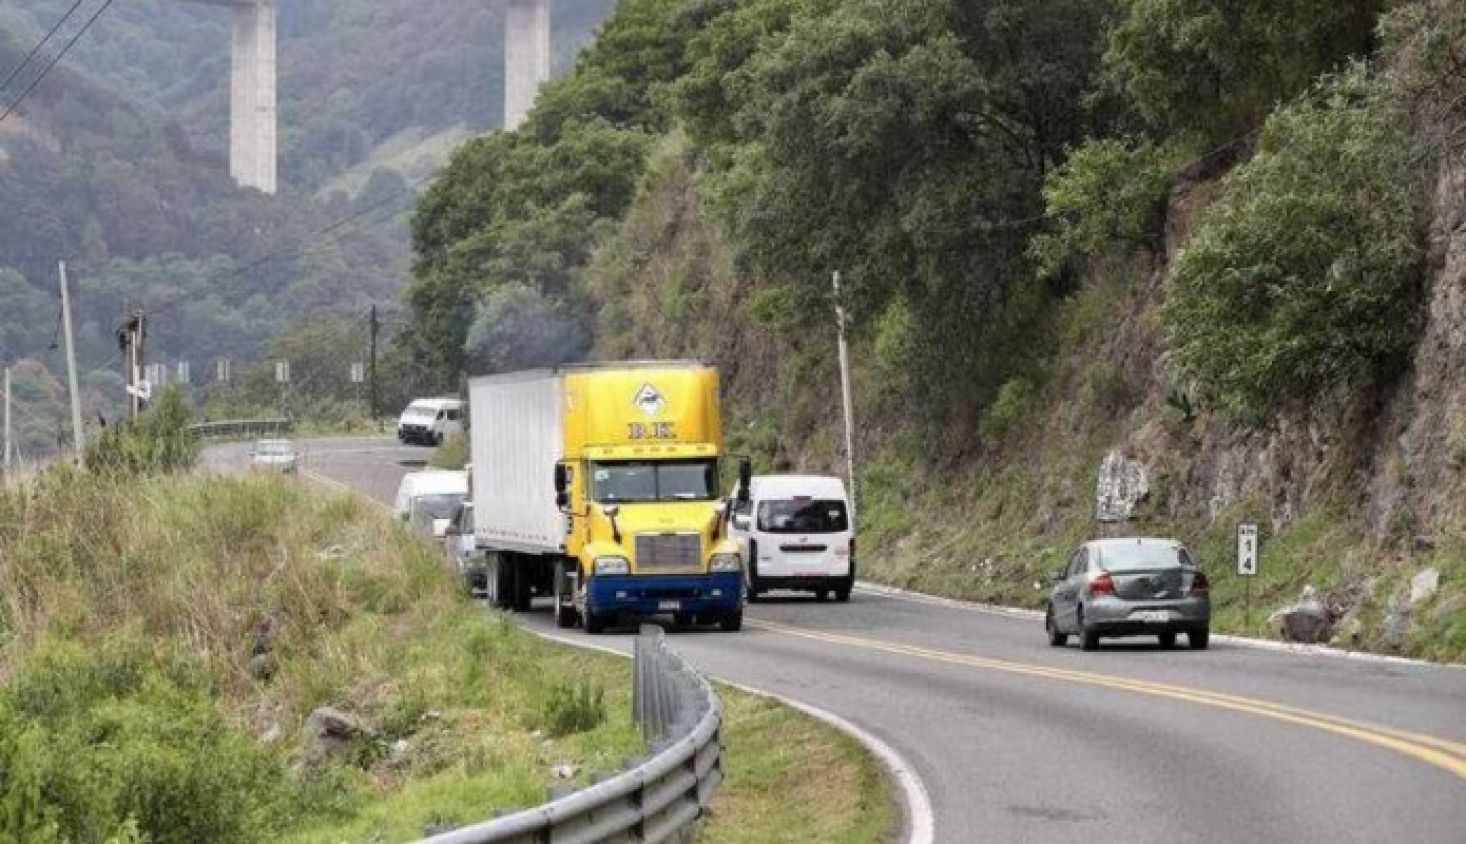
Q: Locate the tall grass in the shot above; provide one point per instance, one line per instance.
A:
(163, 638)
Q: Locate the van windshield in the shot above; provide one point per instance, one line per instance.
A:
(437, 505)
(803, 515)
(654, 480)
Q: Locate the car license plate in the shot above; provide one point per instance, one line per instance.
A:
(669, 606)
(1152, 616)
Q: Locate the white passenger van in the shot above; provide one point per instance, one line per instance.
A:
(795, 533)
(427, 500)
(428, 421)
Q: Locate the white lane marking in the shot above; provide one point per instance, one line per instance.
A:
(920, 818)
(1295, 648)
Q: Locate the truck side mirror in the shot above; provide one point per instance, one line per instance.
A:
(562, 500)
(745, 479)
(562, 477)
(741, 521)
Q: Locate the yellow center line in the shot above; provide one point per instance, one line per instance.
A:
(1442, 753)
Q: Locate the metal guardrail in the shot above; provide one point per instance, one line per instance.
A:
(241, 427)
(655, 799)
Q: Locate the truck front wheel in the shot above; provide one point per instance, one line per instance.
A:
(565, 614)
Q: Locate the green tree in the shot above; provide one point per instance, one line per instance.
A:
(1306, 273)
(1211, 69)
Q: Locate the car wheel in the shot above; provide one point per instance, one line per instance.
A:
(1089, 638)
(1057, 637)
(1199, 639)
(732, 622)
(1167, 639)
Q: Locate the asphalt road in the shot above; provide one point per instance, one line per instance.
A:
(1017, 741)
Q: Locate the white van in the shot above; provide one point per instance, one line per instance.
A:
(795, 533)
(427, 500)
(428, 421)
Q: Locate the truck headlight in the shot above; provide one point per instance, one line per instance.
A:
(725, 562)
(612, 565)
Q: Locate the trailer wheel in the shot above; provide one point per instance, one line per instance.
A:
(498, 582)
(522, 594)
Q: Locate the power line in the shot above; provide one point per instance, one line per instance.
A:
(36, 49)
(54, 59)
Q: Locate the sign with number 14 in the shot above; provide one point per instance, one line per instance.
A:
(1247, 549)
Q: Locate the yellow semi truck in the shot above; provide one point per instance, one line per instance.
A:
(598, 485)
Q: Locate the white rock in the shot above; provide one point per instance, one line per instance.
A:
(1424, 585)
(1123, 483)
(566, 772)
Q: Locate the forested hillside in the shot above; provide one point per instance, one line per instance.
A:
(118, 164)
(1173, 263)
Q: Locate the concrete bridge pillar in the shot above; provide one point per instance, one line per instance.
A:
(253, 117)
(526, 57)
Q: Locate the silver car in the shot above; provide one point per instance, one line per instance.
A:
(1130, 587)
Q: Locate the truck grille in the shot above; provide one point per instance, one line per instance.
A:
(658, 552)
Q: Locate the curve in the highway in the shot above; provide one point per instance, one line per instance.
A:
(1017, 741)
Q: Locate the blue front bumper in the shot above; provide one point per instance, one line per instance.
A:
(652, 594)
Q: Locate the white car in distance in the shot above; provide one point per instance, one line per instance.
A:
(274, 455)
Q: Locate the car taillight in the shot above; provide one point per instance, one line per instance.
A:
(1102, 584)
(1200, 585)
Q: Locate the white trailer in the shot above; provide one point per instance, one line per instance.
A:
(516, 437)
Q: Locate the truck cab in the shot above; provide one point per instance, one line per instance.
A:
(795, 533)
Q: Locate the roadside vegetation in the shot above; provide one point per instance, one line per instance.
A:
(1204, 238)
(191, 658)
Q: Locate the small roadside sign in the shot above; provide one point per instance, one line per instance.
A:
(282, 372)
(358, 373)
(1247, 549)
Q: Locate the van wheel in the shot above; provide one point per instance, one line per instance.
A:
(843, 594)
(732, 622)
(822, 594)
(1199, 638)
(595, 625)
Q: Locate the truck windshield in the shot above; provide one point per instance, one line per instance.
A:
(802, 515)
(654, 480)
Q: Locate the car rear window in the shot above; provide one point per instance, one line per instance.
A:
(1143, 556)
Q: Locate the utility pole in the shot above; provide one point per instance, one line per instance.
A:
(9, 449)
(375, 326)
(131, 337)
(840, 321)
(78, 439)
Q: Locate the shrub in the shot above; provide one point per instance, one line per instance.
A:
(1106, 193)
(1009, 408)
(159, 441)
(1305, 275)
(574, 708)
(123, 743)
